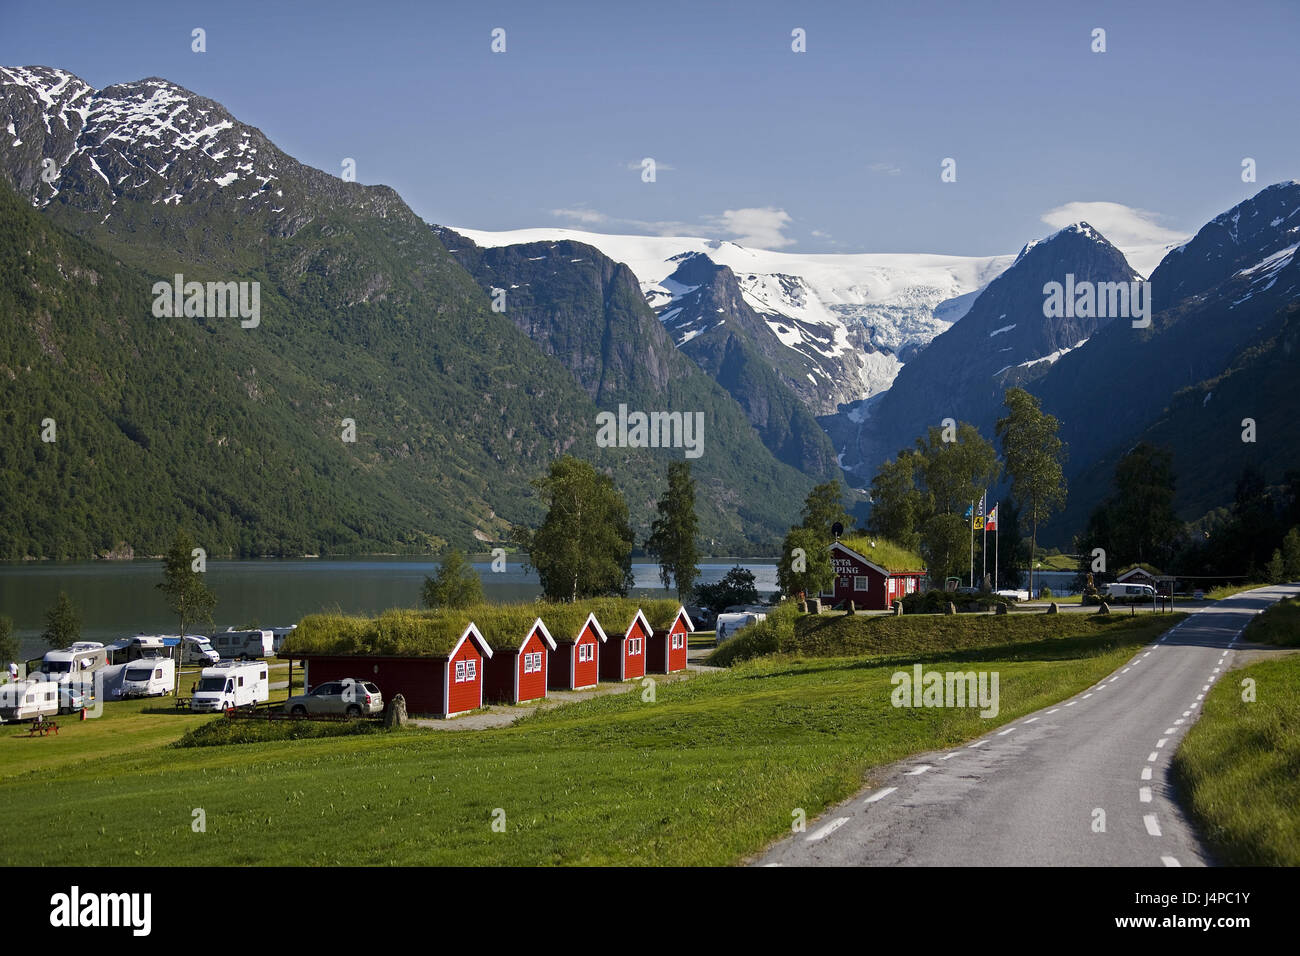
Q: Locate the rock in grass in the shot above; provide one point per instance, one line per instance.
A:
(1104, 608)
(1053, 609)
(395, 712)
(1000, 608)
(950, 609)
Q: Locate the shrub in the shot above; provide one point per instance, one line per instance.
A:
(223, 731)
(768, 636)
(1045, 593)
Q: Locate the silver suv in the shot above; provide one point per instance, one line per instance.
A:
(350, 696)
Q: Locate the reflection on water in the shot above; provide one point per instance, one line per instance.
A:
(120, 598)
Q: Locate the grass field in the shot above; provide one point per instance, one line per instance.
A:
(1239, 764)
(709, 772)
(1279, 624)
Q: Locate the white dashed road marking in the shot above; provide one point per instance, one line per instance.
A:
(880, 795)
(823, 832)
(1153, 825)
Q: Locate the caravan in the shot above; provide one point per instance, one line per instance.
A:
(198, 650)
(148, 677)
(142, 645)
(230, 685)
(28, 700)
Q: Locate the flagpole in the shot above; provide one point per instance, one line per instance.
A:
(996, 528)
(984, 540)
(972, 544)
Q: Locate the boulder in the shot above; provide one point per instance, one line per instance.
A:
(815, 606)
(898, 609)
(1053, 609)
(853, 608)
(950, 609)
(395, 712)
(1104, 608)
(1000, 609)
(803, 607)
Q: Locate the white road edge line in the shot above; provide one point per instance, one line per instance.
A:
(1153, 825)
(827, 830)
(1144, 794)
(1146, 773)
(1169, 861)
(917, 771)
(880, 795)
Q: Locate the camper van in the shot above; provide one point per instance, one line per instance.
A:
(28, 699)
(231, 684)
(134, 648)
(1131, 592)
(278, 634)
(82, 658)
(242, 645)
(148, 677)
(729, 624)
(198, 650)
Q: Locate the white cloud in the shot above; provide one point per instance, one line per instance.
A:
(762, 228)
(588, 216)
(1123, 225)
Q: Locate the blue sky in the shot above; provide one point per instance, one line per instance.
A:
(837, 149)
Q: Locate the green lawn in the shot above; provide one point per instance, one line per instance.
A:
(1279, 624)
(707, 773)
(1240, 763)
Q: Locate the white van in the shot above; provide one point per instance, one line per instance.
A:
(232, 644)
(729, 624)
(231, 684)
(1130, 591)
(278, 634)
(28, 699)
(148, 677)
(196, 649)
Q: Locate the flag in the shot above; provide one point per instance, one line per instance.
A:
(970, 510)
(991, 523)
(983, 502)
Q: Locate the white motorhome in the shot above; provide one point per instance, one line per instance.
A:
(28, 699)
(278, 634)
(729, 624)
(196, 649)
(231, 684)
(1130, 591)
(82, 658)
(234, 644)
(148, 677)
(134, 648)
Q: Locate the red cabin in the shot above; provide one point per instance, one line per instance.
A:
(625, 649)
(869, 585)
(518, 667)
(575, 660)
(666, 648)
(442, 686)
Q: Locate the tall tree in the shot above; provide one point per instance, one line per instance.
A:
(8, 646)
(945, 546)
(823, 507)
(1033, 453)
(62, 623)
(736, 587)
(956, 472)
(898, 506)
(583, 547)
(1143, 507)
(673, 533)
(455, 584)
(188, 597)
(805, 565)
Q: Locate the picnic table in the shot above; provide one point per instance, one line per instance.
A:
(43, 728)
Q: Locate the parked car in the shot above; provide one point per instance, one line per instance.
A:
(701, 617)
(350, 696)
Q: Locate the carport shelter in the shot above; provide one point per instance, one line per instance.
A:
(433, 659)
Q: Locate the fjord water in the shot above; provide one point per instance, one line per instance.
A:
(120, 598)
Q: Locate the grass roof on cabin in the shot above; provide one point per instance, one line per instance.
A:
(415, 633)
(885, 553)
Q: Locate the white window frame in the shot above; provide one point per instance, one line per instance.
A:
(678, 641)
(861, 582)
(633, 646)
(471, 669)
(586, 652)
(460, 672)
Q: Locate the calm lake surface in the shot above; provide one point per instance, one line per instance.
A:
(119, 598)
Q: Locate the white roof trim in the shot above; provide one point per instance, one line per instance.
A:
(540, 625)
(484, 646)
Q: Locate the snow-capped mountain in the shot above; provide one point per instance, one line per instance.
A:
(854, 319)
(1004, 339)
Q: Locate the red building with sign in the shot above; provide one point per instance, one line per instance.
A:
(870, 586)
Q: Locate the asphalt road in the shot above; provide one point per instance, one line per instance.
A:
(1027, 793)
